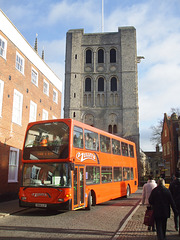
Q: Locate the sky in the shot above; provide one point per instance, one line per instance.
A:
(157, 24)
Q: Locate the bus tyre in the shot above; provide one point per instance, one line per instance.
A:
(89, 204)
(70, 205)
(127, 191)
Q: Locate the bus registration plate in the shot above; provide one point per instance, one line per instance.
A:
(41, 205)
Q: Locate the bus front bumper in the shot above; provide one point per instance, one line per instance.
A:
(56, 206)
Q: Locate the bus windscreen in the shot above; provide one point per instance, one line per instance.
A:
(47, 141)
(46, 174)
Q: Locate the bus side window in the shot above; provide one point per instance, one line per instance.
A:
(126, 174)
(91, 140)
(105, 144)
(132, 174)
(116, 147)
(131, 151)
(117, 174)
(106, 174)
(78, 137)
(92, 175)
(124, 147)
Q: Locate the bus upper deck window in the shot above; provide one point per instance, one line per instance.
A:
(131, 151)
(124, 147)
(91, 140)
(105, 144)
(78, 137)
(116, 147)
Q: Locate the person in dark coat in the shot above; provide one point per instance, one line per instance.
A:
(161, 200)
(175, 191)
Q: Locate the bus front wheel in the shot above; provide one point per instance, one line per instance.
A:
(128, 192)
(89, 204)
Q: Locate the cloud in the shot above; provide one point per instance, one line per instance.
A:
(66, 12)
(54, 49)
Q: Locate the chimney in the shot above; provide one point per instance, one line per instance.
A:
(43, 54)
(157, 148)
(36, 45)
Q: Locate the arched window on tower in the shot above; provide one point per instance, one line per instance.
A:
(88, 56)
(100, 56)
(100, 84)
(115, 129)
(110, 128)
(87, 85)
(112, 55)
(113, 84)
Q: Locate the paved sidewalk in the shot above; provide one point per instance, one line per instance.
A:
(9, 207)
(135, 229)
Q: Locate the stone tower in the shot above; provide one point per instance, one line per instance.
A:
(101, 85)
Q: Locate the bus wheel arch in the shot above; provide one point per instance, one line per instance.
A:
(128, 191)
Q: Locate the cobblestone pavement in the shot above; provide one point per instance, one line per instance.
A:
(135, 229)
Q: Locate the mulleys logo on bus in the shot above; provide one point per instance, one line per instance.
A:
(40, 195)
(85, 156)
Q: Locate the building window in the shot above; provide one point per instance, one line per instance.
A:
(115, 129)
(168, 148)
(100, 56)
(17, 107)
(34, 77)
(55, 96)
(112, 129)
(164, 149)
(44, 115)
(113, 84)
(88, 56)
(100, 84)
(3, 47)
(1, 96)
(33, 112)
(112, 55)
(46, 87)
(13, 165)
(88, 85)
(19, 63)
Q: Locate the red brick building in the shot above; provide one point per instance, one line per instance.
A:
(29, 91)
(170, 139)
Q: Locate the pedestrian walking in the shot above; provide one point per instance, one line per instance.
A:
(161, 200)
(147, 188)
(175, 191)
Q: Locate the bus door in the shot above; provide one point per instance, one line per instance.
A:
(79, 187)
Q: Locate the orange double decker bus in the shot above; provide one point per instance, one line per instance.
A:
(70, 165)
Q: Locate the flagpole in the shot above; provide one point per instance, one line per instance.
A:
(102, 17)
